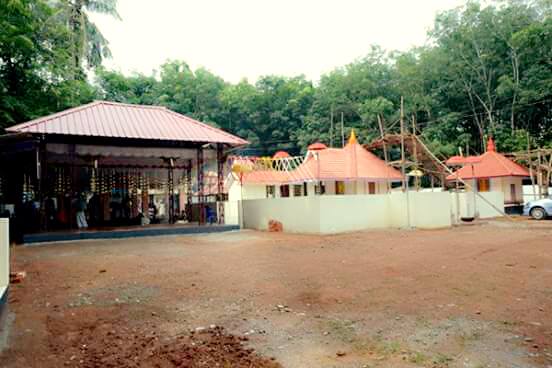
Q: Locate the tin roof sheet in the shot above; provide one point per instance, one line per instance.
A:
(118, 120)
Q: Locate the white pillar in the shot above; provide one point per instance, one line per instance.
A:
(4, 252)
(240, 214)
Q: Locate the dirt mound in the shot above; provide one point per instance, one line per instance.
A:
(124, 347)
(275, 226)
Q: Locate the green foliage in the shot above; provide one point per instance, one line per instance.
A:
(88, 45)
(34, 63)
(487, 70)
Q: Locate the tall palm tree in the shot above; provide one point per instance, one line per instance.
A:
(88, 44)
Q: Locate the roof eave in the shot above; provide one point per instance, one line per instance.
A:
(449, 178)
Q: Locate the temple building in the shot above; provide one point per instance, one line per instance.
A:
(108, 164)
(323, 171)
(492, 172)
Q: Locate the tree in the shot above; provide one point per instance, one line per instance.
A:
(487, 70)
(134, 89)
(88, 45)
(350, 91)
(34, 62)
(270, 114)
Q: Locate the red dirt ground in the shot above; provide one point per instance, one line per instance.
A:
(475, 296)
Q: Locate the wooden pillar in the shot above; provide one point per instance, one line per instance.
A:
(547, 175)
(530, 161)
(72, 186)
(200, 186)
(539, 173)
(342, 132)
(170, 185)
(331, 126)
(189, 192)
(403, 159)
(220, 184)
(415, 153)
(41, 182)
(403, 166)
(385, 155)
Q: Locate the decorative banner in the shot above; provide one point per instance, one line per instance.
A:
(274, 169)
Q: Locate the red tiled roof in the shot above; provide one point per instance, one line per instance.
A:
(266, 177)
(281, 154)
(349, 163)
(317, 146)
(118, 120)
(491, 164)
(462, 160)
(352, 162)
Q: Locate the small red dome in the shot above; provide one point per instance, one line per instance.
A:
(281, 154)
(317, 146)
(455, 160)
(491, 145)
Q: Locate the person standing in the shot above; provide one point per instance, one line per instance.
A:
(81, 212)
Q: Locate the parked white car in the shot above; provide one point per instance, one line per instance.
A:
(539, 209)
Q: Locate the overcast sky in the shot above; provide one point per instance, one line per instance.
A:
(238, 39)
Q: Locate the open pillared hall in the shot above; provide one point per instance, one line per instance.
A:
(127, 164)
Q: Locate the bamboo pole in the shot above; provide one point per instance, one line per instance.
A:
(342, 132)
(457, 201)
(530, 167)
(331, 127)
(415, 152)
(468, 186)
(546, 175)
(403, 169)
(386, 158)
(539, 173)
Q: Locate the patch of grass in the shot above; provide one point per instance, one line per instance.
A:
(418, 358)
(471, 336)
(508, 325)
(392, 347)
(442, 360)
(423, 322)
(465, 338)
(343, 330)
(362, 345)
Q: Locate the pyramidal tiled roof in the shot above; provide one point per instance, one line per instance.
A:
(352, 162)
(491, 164)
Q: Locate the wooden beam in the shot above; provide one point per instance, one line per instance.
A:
(382, 132)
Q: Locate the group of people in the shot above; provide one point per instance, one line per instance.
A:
(91, 209)
(88, 208)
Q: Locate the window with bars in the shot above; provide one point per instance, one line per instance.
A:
(297, 190)
(339, 187)
(284, 191)
(270, 191)
(483, 185)
(371, 188)
(319, 188)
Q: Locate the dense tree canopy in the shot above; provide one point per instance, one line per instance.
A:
(486, 70)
